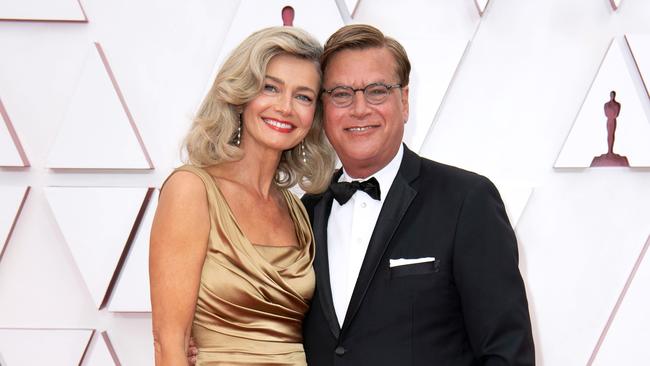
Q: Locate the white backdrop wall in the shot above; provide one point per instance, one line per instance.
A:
(500, 94)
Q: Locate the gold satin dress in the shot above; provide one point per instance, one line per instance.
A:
(252, 298)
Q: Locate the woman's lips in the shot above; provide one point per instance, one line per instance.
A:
(279, 125)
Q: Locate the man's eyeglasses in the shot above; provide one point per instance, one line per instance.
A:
(375, 93)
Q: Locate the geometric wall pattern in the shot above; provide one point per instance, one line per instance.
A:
(11, 150)
(588, 136)
(632, 318)
(350, 8)
(102, 352)
(481, 5)
(97, 223)
(511, 90)
(429, 80)
(269, 13)
(515, 197)
(131, 293)
(23, 346)
(13, 199)
(640, 46)
(98, 130)
(581, 238)
(42, 10)
(615, 4)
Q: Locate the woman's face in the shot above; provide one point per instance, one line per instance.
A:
(282, 113)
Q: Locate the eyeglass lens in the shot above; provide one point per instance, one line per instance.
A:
(374, 94)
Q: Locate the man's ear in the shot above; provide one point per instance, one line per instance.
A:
(405, 103)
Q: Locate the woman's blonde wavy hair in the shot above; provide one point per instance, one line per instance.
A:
(211, 137)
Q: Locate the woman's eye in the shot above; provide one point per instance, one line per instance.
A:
(305, 98)
(268, 88)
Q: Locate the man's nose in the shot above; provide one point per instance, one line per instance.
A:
(359, 103)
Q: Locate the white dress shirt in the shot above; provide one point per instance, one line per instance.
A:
(349, 229)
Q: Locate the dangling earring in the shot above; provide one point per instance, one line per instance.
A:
(238, 137)
(302, 151)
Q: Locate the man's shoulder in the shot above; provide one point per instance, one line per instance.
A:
(310, 200)
(434, 173)
(452, 184)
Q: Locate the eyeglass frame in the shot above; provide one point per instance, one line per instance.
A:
(389, 87)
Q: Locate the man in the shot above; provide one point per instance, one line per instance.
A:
(422, 270)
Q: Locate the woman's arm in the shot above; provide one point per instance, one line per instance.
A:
(178, 245)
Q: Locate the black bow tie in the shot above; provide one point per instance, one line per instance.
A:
(343, 191)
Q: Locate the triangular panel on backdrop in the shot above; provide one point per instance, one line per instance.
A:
(43, 10)
(588, 137)
(515, 196)
(12, 153)
(97, 223)
(581, 234)
(625, 340)
(13, 199)
(640, 47)
(435, 61)
(26, 346)
(101, 352)
(98, 131)
(131, 292)
(320, 19)
(481, 5)
(615, 4)
(351, 6)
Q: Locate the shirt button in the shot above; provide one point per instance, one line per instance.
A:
(340, 351)
(359, 240)
(363, 205)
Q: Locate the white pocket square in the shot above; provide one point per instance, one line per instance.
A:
(407, 261)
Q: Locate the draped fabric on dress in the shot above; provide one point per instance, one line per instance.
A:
(252, 298)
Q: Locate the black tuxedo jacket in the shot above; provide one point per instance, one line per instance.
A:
(468, 307)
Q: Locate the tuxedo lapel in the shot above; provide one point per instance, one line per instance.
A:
(398, 200)
(321, 262)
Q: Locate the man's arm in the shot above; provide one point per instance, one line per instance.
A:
(486, 272)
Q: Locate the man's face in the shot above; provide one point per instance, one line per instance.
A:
(365, 136)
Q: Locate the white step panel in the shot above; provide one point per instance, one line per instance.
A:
(35, 347)
(626, 340)
(13, 199)
(588, 136)
(98, 131)
(131, 292)
(320, 19)
(640, 46)
(579, 238)
(42, 10)
(96, 223)
(11, 150)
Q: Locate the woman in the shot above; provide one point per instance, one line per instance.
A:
(231, 248)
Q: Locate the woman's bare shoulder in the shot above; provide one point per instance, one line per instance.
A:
(182, 215)
(184, 184)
